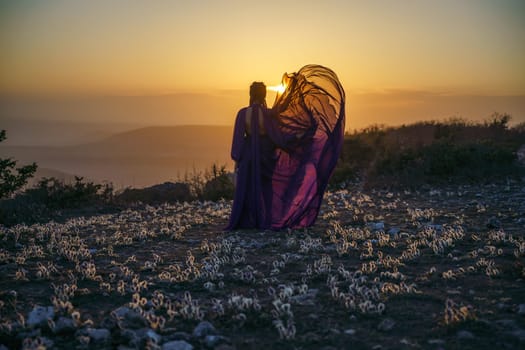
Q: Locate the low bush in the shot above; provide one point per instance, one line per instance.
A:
(52, 198)
(432, 152)
(13, 178)
(167, 192)
(213, 184)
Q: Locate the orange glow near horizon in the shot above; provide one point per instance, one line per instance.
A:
(379, 50)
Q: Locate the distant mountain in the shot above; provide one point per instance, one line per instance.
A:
(165, 140)
(137, 158)
(35, 132)
(45, 172)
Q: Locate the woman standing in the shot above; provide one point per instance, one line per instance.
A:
(252, 151)
(285, 156)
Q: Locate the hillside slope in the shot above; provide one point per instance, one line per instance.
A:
(139, 157)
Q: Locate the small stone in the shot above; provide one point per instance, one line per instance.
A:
(521, 309)
(376, 226)
(39, 315)
(393, 231)
(64, 325)
(131, 337)
(465, 335)
(109, 323)
(204, 328)
(436, 341)
(386, 325)
(436, 227)
(177, 345)
(99, 335)
(120, 312)
(150, 333)
(142, 335)
(350, 331)
(212, 341)
(129, 318)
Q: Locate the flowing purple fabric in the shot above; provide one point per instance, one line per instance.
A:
(284, 169)
(313, 108)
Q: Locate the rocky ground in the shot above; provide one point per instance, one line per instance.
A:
(440, 268)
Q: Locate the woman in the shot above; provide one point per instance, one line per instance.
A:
(252, 151)
(285, 156)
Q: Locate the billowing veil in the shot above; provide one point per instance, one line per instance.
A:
(310, 116)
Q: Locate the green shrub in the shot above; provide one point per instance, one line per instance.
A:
(445, 162)
(52, 198)
(56, 194)
(219, 185)
(212, 184)
(167, 192)
(12, 178)
(432, 152)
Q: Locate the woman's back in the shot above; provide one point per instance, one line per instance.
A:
(253, 152)
(255, 114)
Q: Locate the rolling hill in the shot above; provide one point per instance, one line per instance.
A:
(137, 158)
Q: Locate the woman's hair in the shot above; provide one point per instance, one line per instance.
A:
(257, 92)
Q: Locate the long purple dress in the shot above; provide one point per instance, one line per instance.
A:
(284, 169)
(253, 151)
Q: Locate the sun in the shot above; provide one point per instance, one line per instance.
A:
(277, 88)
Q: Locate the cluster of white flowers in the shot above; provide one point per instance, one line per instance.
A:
(455, 313)
(245, 276)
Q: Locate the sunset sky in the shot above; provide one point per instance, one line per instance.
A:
(377, 48)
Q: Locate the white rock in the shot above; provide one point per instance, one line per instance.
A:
(204, 328)
(393, 231)
(99, 334)
(151, 334)
(376, 226)
(39, 315)
(64, 325)
(212, 341)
